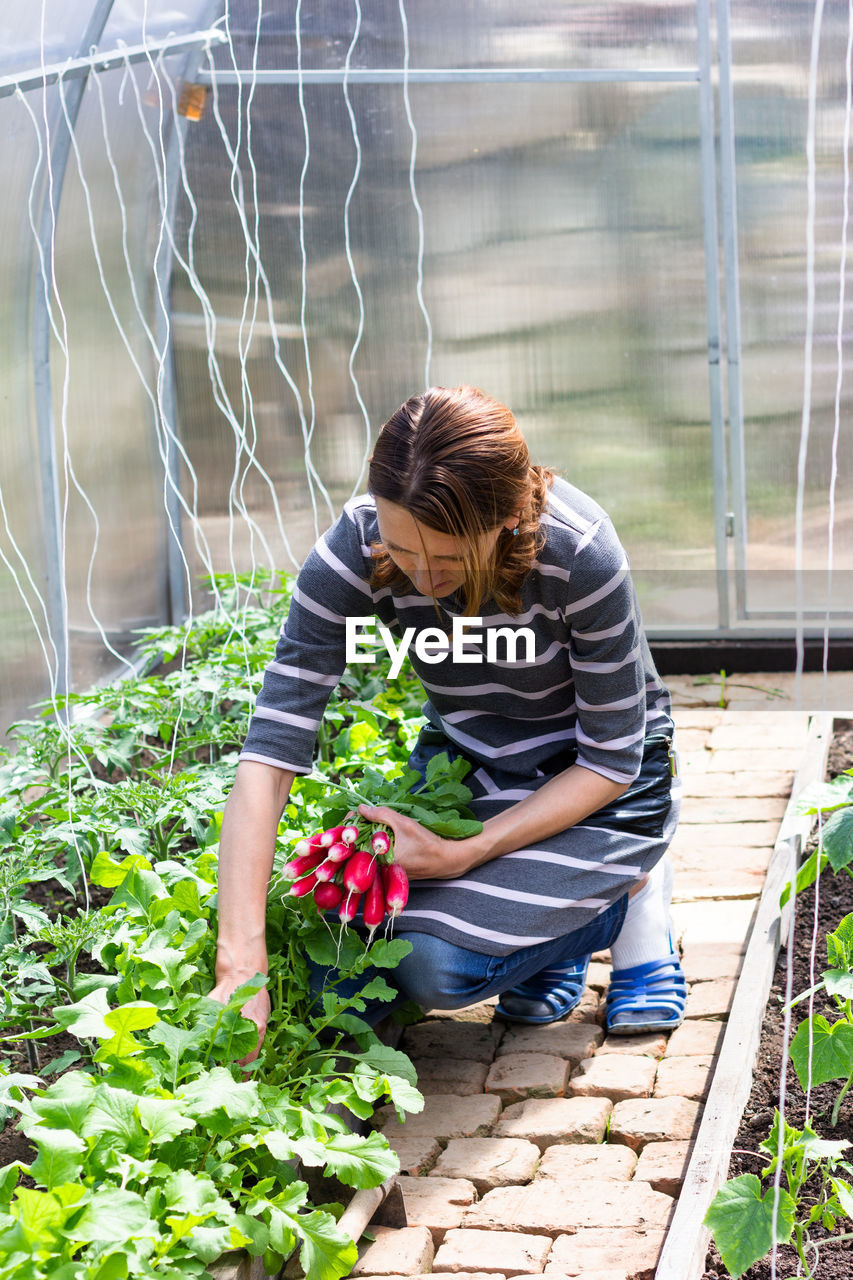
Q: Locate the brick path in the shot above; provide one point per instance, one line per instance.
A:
(558, 1150)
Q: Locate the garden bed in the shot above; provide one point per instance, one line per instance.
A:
(819, 910)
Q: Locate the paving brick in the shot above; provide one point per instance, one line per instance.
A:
(684, 1077)
(695, 1038)
(459, 1275)
(692, 739)
(482, 1012)
(447, 1038)
(601, 1250)
(697, 717)
(544, 1208)
(703, 922)
(548, 1120)
(701, 884)
(651, 1044)
(745, 760)
(571, 1041)
(404, 1251)
(416, 1155)
(642, 1120)
(770, 782)
(697, 810)
(710, 999)
(516, 1076)
(616, 1076)
(598, 975)
(444, 1116)
(488, 1162)
(726, 835)
(704, 963)
(508, 1253)
(692, 763)
(450, 1075)
(436, 1203)
(572, 1161)
(663, 1165)
(790, 729)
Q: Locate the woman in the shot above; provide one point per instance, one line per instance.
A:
(570, 746)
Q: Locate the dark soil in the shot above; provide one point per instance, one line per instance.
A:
(835, 900)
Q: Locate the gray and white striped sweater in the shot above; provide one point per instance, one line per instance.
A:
(592, 688)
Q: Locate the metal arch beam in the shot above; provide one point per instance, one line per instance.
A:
(58, 145)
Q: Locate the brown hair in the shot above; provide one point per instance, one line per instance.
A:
(456, 460)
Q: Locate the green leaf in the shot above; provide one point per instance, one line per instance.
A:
(217, 1090)
(163, 1118)
(831, 1053)
(326, 1253)
(113, 1216)
(741, 1220)
(65, 1104)
(837, 838)
(109, 874)
(806, 876)
(844, 1195)
(360, 1162)
(825, 796)
(134, 1016)
(390, 1061)
(87, 1018)
(59, 1159)
(839, 982)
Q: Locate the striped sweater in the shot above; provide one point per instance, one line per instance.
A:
(592, 687)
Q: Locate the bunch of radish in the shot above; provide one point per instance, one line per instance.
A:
(329, 865)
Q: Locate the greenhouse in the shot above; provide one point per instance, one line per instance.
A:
(613, 240)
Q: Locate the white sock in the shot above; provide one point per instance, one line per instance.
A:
(645, 935)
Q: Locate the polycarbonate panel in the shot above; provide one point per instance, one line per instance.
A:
(469, 33)
(563, 272)
(23, 671)
(36, 31)
(772, 47)
(106, 401)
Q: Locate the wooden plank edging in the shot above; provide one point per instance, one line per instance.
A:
(686, 1243)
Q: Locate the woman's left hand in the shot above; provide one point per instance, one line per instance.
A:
(421, 853)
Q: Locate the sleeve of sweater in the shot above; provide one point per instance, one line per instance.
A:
(607, 654)
(311, 653)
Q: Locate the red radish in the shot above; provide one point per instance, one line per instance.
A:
(374, 905)
(338, 852)
(349, 908)
(396, 885)
(331, 836)
(359, 871)
(349, 833)
(328, 895)
(327, 870)
(380, 843)
(300, 888)
(298, 866)
(307, 845)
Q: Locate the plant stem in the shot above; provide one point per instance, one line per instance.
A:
(838, 1101)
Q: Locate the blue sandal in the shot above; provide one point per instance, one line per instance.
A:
(657, 989)
(546, 996)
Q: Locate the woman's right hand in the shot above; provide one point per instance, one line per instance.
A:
(257, 1009)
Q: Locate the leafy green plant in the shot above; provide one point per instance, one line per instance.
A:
(747, 1221)
(154, 1150)
(835, 836)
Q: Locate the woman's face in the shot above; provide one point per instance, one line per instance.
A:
(435, 562)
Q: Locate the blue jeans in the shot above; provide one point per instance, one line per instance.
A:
(439, 975)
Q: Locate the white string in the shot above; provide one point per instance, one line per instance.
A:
(303, 303)
(415, 201)
(811, 185)
(348, 250)
(313, 478)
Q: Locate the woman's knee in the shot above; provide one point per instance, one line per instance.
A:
(438, 975)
